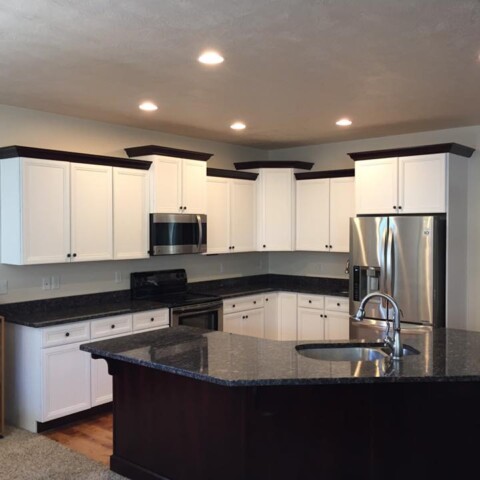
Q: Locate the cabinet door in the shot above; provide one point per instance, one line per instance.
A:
(65, 381)
(46, 211)
(272, 323)
(166, 184)
(130, 213)
(194, 186)
(233, 323)
(311, 324)
(313, 207)
(287, 314)
(337, 326)
(254, 323)
(242, 215)
(218, 215)
(422, 184)
(91, 212)
(342, 208)
(376, 186)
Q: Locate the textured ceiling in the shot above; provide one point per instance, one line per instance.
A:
(292, 67)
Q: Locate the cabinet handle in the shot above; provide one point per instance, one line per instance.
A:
(338, 304)
(321, 315)
(74, 255)
(246, 316)
(266, 299)
(331, 246)
(399, 207)
(67, 334)
(233, 248)
(254, 302)
(394, 207)
(68, 255)
(325, 316)
(264, 246)
(184, 208)
(233, 306)
(326, 246)
(309, 301)
(113, 326)
(152, 319)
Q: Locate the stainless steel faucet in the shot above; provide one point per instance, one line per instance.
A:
(395, 343)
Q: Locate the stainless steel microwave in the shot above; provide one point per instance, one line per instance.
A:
(174, 233)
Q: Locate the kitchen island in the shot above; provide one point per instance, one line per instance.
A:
(190, 403)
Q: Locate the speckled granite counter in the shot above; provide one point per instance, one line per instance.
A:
(234, 360)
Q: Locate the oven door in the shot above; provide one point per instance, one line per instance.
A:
(206, 315)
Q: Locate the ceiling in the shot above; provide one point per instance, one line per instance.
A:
(292, 67)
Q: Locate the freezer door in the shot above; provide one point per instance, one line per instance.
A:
(416, 267)
(367, 259)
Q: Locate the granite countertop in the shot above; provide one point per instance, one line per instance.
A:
(236, 360)
(56, 311)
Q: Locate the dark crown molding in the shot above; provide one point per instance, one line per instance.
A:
(273, 164)
(347, 172)
(74, 157)
(454, 148)
(218, 172)
(166, 151)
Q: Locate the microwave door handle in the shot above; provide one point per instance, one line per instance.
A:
(200, 232)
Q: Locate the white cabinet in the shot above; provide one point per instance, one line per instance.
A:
(178, 185)
(287, 315)
(130, 213)
(275, 209)
(311, 324)
(337, 326)
(413, 184)
(231, 210)
(272, 324)
(244, 315)
(324, 207)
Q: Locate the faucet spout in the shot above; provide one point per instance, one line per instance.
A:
(395, 343)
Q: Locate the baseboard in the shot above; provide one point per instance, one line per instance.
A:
(131, 470)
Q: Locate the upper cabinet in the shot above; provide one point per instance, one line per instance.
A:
(231, 211)
(178, 178)
(324, 206)
(60, 211)
(404, 181)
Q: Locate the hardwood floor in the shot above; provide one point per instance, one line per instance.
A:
(92, 438)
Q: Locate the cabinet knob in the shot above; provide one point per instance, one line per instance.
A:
(67, 334)
(254, 302)
(326, 246)
(325, 316)
(399, 207)
(233, 248)
(394, 207)
(152, 319)
(246, 316)
(184, 208)
(68, 255)
(309, 301)
(112, 326)
(233, 306)
(264, 246)
(74, 255)
(338, 304)
(331, 246)
(321, 315)
(266, 299)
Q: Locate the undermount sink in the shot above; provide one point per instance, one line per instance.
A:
(360, 352)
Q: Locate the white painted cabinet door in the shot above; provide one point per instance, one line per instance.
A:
(242, 215)
(312, 222)
(422, 183)
(91, 212)
(272, 323)
(311, 324)
(342, 208)
(376, 186)
(254, 323)
(194, 186)
(101, 382)
(275, 215)
(46, 211)
(166, 184)
(218, 215)
(337, 326)
(65, 381)
(130, 213)
(287, 314)
(233, 323)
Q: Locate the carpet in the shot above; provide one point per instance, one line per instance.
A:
(29, 456)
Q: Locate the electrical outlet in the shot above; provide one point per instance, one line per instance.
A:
(55, 282)
(3, 287)
(221, 267)
(118, 277)
(46, 285)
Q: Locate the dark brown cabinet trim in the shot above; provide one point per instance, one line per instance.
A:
(273, 164)
(454, 148)
(166, 151)
(218, 172)
(347, 172)
(73, 157)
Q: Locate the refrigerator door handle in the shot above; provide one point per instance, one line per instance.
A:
(389, 263)
(383, 260)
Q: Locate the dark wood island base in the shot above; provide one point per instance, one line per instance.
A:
(172, 427)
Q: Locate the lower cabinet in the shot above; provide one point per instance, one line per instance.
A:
(247, 322)
(311, 324)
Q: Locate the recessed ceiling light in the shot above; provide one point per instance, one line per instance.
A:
(148, 107)
(238, 126)
(344, 122)
(210, 58)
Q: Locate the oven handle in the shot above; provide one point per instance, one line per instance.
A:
(202, 308)
(200, 233)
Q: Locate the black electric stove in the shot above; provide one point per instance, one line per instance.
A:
(169, 287)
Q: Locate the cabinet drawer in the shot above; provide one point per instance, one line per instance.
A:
(65, 334)
(311, 301)
(336, 304)
(242, 303)
(151, 319)
(111, 326)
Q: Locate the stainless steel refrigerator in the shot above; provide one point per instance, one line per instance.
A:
(403, 256)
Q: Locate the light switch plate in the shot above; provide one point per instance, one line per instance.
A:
(55, 282)
(46, 285)
(3, 287)
(118, 277)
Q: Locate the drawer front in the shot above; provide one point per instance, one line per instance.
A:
(336, 304)
(65, 334)
(110, 326)
(151, 319)
(239, 304)
(311, 301)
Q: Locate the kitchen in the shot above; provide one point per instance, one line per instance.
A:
(31, 127)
